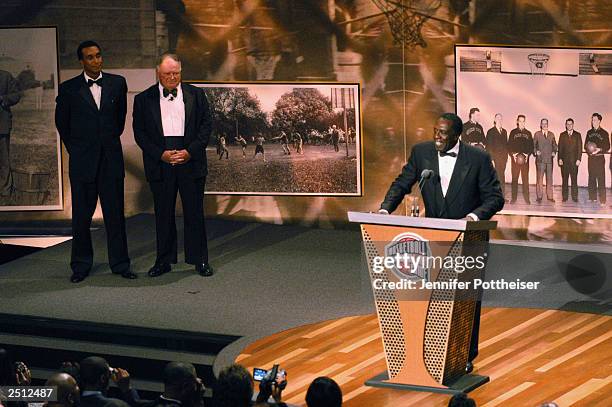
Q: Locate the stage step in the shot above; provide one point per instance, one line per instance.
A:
(44, 343)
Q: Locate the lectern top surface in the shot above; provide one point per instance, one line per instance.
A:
(425, 223)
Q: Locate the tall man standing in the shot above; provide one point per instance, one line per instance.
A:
(90, 116)
(464, 186)
(496, 143)
(599, 139)
(520, 146)
(570, 154)
(9, 96)
(172, 125)
(545, 148)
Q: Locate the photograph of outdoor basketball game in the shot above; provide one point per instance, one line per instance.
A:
(284, 139)
(544, 115)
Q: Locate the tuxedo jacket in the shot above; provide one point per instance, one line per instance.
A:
(9, 96)
(149, 133)
(473, 188)
(87, 130)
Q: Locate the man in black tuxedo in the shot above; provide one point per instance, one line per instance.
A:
(570, 155)
(90, 117)
(172, 125)
(464, 186)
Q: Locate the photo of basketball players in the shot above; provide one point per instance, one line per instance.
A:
(567, 152)
(548, 112)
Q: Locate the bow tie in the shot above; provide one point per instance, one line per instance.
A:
(90, 82)
(172, 92)
(451, 154)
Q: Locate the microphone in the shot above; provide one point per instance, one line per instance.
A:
(425, 175)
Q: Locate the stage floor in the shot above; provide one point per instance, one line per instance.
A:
(531, 356)
(269, 278)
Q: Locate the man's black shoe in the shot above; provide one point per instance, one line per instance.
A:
(469, 368)
(204, 269)
(159, 269)
(78, 277)
(129, 274)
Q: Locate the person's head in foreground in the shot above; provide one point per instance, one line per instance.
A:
(323, 392)
(234, 387)
(95, 374)
(68, 392)
(461, 400)
(182, 383)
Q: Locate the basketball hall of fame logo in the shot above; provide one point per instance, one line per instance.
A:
(411, 252)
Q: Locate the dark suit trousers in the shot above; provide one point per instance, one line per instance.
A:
(178, 179)
(569, 172)
(597, 178)
(499, 161)
(84, 200)
(523, 170)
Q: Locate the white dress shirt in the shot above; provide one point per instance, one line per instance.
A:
(95, 89)
(447, 165)
(172, 113)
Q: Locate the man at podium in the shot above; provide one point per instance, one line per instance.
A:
(457, 181)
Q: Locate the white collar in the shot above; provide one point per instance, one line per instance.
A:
(179, 91)
(455, 149)
(87, 77)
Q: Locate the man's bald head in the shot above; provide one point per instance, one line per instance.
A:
(67, 390)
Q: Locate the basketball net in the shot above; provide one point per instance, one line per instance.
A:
(264, 65)
(537, 63)
(406, 20)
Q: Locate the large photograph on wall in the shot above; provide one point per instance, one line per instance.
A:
(284, 139)
(30, 152)
(544, 115)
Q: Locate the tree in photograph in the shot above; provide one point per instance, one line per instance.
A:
(235, 111)
(301, 110)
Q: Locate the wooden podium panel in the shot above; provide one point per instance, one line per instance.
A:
(426, 332)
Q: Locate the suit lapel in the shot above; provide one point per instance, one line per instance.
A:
(435, 187)
(462, 167)
(155, 109)
(188, 100)
(86, 94)
(106, 91)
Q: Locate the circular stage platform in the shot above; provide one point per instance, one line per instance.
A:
(530, 355)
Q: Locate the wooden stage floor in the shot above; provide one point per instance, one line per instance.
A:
(531, 356)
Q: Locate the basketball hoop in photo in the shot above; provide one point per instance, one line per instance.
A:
(342, 98)
(537, 63)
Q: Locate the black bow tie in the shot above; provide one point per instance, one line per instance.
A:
(172, 92)
(451, 154)
(98, 82)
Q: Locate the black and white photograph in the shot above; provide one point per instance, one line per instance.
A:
(284, 139)
(544, 115)
(30, 152)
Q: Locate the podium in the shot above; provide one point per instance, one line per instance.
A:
(426, 330)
